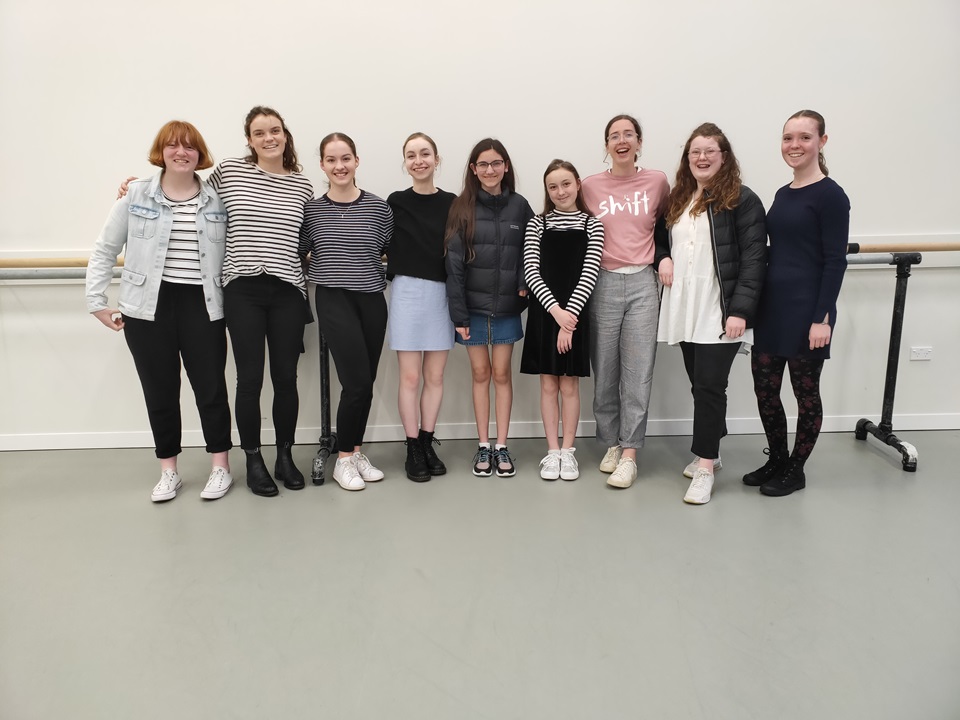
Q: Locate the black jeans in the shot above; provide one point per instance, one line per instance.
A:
(258, 309)
(708, 367)
(181, 328)
(354, 325)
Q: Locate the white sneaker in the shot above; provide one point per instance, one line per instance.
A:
(690, 469)
(699, 491)
(610, 459)
(569, 469)
(345, 473)
(366, 469)
(218, 484)
(167, 488)
(550, 465)
(624, 475)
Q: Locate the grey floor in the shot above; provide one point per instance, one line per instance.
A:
(468, 598)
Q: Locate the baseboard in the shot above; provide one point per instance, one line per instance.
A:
(454, 431)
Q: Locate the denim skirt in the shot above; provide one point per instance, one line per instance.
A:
(496, 330)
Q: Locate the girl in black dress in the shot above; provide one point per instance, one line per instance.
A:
(561, 261)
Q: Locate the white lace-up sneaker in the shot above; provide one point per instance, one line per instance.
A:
(610, 459)
(218, 484)
(699, 491)
(366, 469)
(167, 488)
(690, 469)
(345, 473)
(569, 469)
(550, 465)
(624, 475)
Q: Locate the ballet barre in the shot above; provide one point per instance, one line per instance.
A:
(48, 268)
(904, 256)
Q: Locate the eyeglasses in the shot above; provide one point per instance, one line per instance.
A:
(483, 165)
(708, 153)
(616, 137)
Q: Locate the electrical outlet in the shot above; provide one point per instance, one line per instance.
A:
(921, 353)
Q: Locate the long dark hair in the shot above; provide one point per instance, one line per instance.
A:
(821, 131)
(724, 187)
(548, 204)
(290, 162)
(462, 217)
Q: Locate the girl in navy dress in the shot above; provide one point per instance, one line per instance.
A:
(808, 225)
(561, 261)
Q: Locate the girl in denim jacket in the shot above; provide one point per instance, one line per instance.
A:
(170, 309)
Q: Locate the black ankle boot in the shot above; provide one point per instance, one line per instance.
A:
(775, 465)
(790, 480)
(258, 477)
(434, 464)
(416, 464)
(285, 471)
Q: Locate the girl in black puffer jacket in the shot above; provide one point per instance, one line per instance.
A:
(485, 289)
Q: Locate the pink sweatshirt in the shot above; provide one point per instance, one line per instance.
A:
(628, 207)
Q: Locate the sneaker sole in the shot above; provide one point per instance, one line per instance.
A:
(215, 494)
(693, 501)
(483, 473)
(569, 476)
(375, 479)
(349, 489)
(619, 485)
(549, 478)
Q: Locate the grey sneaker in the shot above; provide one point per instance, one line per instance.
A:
(610, 459)
(690, 469)
(624, 475)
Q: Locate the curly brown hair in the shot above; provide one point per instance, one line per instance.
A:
(723, 192)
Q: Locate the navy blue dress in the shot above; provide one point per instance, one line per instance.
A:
(809, 228)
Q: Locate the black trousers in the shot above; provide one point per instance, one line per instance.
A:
(708, 367)
(264, 309)
(181, 329)
(354, 325)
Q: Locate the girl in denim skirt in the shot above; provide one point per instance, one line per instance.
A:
(486, 291)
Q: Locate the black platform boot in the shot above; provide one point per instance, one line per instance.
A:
(434, 464)
(775, 465)
(258, 477)
(790, 480)
(416, 464)
(285, 471)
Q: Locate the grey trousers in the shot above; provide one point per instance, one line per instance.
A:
(624, 312)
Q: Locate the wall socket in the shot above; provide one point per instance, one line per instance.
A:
(921, 353)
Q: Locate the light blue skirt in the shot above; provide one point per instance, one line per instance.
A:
(419, 319)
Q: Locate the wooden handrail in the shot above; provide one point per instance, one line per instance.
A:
(21, 263)
(903, 247)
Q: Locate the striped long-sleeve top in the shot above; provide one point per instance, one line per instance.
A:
(346, 242)
(264, 214)
(591, 263)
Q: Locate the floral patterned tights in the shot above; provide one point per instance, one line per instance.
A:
(805, 378)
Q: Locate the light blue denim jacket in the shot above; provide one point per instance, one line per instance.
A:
(142, 220)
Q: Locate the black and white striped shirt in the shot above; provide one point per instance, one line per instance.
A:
(264, 215)
(182, 261)
(557, 220)
(346, 242)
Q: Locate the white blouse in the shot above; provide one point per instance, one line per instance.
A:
(690, 308)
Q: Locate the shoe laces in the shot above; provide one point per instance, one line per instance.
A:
(701, 480)
(502, 457)
(551, 460)
(483, 455)
(567, 459)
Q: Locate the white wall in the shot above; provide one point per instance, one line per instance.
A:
(84, 87)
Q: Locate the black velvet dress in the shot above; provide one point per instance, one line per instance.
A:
(562, 253)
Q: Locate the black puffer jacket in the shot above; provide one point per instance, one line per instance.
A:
(489, 284)
(739, 254)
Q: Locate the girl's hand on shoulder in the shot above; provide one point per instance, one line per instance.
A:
(665, 271)
(522, 293)
(819, 335)
(564, 341)
(464, 333)
(566, 320)
(736, 326)
(124, 186)
(111, 318)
